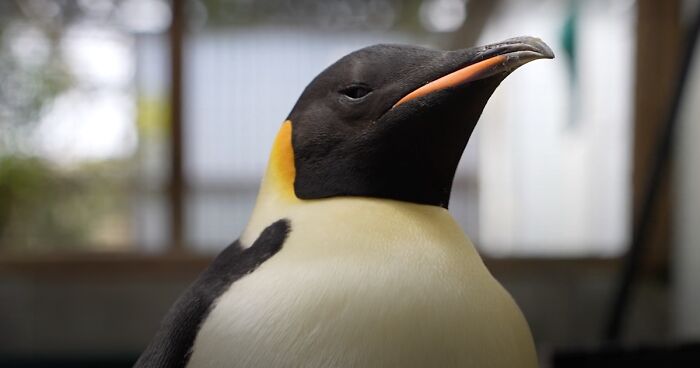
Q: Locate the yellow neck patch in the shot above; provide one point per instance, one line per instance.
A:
(281, 170)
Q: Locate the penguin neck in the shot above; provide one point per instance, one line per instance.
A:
(276, 195)
(277, 200)
(278, 182)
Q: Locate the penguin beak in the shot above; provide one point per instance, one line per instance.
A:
(490, 60)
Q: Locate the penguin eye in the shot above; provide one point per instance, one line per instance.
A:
(356, 91)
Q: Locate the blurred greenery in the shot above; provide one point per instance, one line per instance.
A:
(45, 206)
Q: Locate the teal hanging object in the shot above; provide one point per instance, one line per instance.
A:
(569, 35)
(568, 38)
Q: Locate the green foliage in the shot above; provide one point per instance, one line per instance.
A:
(45, 207)
(42, 208)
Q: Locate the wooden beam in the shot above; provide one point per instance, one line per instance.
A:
(658, 41)
(177, 182)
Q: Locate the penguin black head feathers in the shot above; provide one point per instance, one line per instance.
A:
(392, 121)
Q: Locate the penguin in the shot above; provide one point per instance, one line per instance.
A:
(350, 257)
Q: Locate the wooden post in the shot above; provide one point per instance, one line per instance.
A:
(177, 183)
(658, 42)
(660, 75)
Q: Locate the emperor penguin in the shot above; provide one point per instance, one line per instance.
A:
(350, 257)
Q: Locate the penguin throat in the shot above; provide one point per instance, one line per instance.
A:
(281, 170)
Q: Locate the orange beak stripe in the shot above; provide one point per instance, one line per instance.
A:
(464, 75)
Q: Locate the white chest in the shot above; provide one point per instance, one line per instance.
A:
(367, 283)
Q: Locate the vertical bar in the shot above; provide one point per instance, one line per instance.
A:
(177, 185)
(659, 36)
(657, 24)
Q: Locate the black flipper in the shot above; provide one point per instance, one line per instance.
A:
(172, 345)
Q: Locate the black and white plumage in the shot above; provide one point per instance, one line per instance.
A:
(350, 258)
(172, 345)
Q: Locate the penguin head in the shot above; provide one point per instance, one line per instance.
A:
(392, 121)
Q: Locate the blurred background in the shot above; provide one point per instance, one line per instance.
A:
(134, 133)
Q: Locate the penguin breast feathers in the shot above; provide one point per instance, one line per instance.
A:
(393, 284)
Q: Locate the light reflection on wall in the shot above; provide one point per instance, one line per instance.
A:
(95, 119)
(443, 15)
